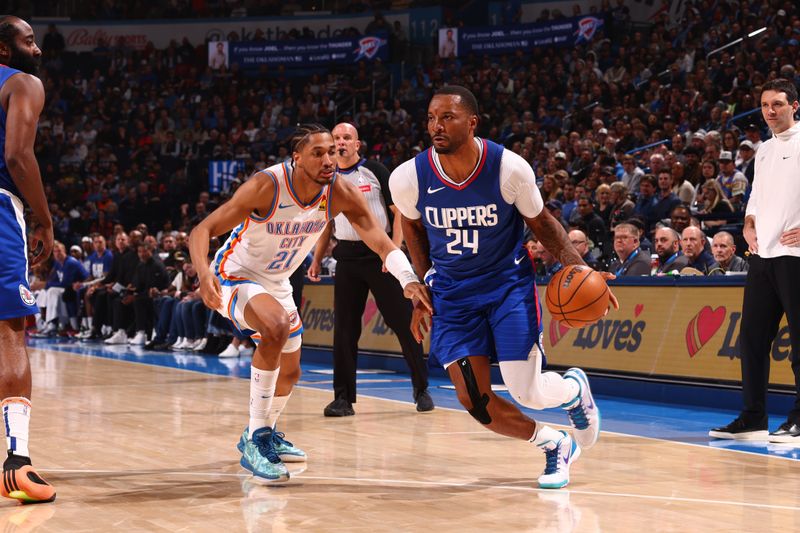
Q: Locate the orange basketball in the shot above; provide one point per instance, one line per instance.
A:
(577, 296)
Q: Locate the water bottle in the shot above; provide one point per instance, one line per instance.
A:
(653, 264)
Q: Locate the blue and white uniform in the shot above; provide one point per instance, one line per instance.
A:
(16, 299)
(482, 281)
(263, 251)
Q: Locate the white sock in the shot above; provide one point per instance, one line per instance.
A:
(90, 322)
(546, 437)
(278, 403)
(73, 322)
(17, 417)
(262, 391)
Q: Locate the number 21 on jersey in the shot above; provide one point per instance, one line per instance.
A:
(282, 260)
(462, 239)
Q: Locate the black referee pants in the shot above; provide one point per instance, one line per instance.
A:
(358, 271)
(772, 289)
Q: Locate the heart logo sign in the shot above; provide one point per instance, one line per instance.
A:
(638, 310)
(702, 327)
(557, 332)
(369, 311)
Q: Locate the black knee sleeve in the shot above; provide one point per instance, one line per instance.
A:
(479, 401)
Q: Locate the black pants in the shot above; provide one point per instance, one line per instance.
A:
(122, 314)
(144, 313)
(772, 289)
(358, 271)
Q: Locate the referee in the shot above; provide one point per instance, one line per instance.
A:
(772, 232)
(359, 270)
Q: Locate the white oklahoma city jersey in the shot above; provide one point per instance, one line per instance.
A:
(268, 249)
(263, 251)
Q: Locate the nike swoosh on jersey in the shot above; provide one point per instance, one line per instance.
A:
(281, 206)
(431, 191)
(518, 260)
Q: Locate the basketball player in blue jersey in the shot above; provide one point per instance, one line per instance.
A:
(465, 203)
(277, 217)
(21, 102)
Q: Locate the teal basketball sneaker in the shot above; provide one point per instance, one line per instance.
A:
(288, 452)
(260, 458)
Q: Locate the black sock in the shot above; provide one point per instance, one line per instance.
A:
(15, 461)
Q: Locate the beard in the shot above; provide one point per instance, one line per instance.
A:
(23, 61)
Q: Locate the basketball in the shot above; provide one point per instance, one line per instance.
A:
(577, 296)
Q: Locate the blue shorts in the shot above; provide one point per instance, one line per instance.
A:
(16, 299)
(484, 316)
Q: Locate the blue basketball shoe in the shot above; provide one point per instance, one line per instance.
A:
(583, 412)
(288, 452)
(260, 458)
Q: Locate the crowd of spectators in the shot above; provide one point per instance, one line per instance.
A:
(126, 136)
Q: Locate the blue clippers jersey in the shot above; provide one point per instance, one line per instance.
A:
(5, 177)
(472, 230)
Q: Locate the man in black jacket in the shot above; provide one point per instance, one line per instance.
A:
(358, 271)
(150, 274)
(108, 290)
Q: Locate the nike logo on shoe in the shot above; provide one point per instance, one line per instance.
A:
(432, 191)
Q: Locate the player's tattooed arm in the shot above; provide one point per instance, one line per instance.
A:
(553, 237)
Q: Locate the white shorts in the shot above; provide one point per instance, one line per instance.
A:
(234, 301)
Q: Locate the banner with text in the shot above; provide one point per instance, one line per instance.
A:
(658, 331)
(456, 42)
(250, 55)
(316, 311)
(666, 331)
(85, 36)
(222, 173)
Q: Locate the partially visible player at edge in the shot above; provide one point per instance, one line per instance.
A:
(465, 203)
(22, 100)
(277, 217)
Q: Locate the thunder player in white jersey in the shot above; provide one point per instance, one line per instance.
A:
(465, 202)
(277, 217)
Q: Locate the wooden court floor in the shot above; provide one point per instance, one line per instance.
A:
(139, 448)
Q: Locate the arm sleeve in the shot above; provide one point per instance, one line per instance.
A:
(518, 185)
(405, 189)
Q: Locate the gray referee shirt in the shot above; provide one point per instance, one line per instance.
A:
(372, 179)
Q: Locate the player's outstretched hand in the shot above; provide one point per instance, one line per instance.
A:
(41, 244)
(211, 292)
(420, 321)
(418, 292)
(608, 276)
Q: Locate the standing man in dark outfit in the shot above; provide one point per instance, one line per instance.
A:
(772, 232)
(359, 270)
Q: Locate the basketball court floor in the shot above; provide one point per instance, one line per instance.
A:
(142, 441)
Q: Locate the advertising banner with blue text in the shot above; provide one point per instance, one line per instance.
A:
(345, 50)
(459, 42)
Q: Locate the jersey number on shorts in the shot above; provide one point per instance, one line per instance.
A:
(462, 238)
(282, 260)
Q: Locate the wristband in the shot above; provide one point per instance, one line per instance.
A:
(397, 264)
